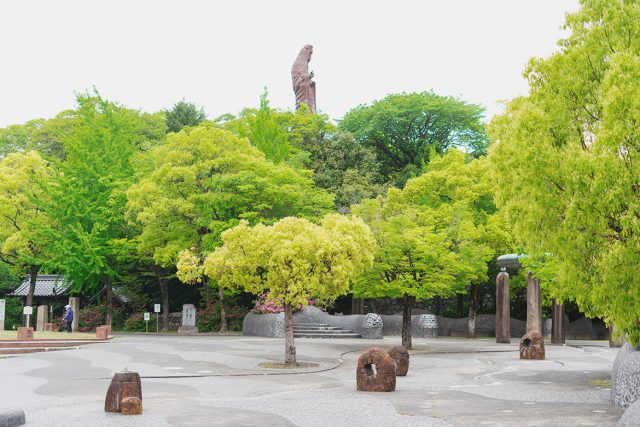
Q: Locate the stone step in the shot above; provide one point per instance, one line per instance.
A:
(311, 335)
(46, 343)
(322, 331)
(27, 350)
(316, 328)
(309, 324)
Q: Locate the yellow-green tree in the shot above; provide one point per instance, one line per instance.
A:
(294, 260)
(566, 162)
(435, 236)
(22, 180)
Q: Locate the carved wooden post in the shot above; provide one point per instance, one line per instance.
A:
(558, 329)
(534, 304)
(503, 308)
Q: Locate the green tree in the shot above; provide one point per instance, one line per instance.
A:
(434, 236)
(294, 260)
(43, 136)
(202, 182)
(87, 195)
(565, 163)
(403, 129)
(183, 114)
(21, 213)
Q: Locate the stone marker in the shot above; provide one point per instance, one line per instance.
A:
(131, 406)
(2, 308)
(534, 304)
(400, 357)
(43, 317)
(188, 320)
(376, 371)
(123, 384)
(558, 327)
(25, 334)
(625, 377)
(12, 417)
(532, 346)
(503, 308)
(102, 333)
(74, 302)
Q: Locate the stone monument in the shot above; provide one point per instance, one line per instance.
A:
(43, 317)
(188, 320)
(2, 308)
(74, 302)
(503, 308)
(558, 328)
(303, 87)
(534, 304)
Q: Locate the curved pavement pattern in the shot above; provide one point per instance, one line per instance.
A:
(208, 380)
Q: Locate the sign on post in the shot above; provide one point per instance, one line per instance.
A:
(2, 306)
(147, 317)
(27, 311)
(156, 309)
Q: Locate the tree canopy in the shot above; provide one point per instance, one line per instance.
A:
(294, 260)
(565, 162)
(403, 129)
(183, 114)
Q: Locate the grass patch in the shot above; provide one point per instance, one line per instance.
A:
(282, 365)
(46, 335)
(604, 382)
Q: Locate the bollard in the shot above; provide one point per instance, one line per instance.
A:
(400, 356)
(532, 346)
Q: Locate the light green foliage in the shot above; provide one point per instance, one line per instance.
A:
(88, 193)
(294, 259)
(20, 212)
(435, 236)
(404, 128)
(565, 162)
(183, 114)
(203, 181)
(43, 136)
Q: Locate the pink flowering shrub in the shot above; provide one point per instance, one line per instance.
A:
(263, 305)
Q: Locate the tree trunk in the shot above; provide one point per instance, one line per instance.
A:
(33, 276)
(471, 333)
(289, 345)
(460, 306)
(109, 319)
(207, 297)
(223, 314)
(164, 291)
(407, 304)
(436, 300)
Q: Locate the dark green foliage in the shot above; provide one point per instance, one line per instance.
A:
(183, 114)
(12, 312)
(208, 319)
(403, 128)
(136, 323)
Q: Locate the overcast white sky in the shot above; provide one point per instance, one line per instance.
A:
(149, 54)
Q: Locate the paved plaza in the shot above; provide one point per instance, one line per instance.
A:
(215, 380)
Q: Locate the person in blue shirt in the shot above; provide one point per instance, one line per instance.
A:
(68, 317)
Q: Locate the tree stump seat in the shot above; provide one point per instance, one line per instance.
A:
(532, 346)
(123, 385)
(400, 356)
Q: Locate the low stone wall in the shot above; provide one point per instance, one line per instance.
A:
(175, 320)
(393, 326)
(272, 325)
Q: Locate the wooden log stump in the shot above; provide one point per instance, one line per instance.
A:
(123, 384)
(532, 346)
(376, 371)
(102, 333)
(400, 356)
(131, 406)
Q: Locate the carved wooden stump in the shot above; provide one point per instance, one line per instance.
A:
(102, 333)
(532, 346)
(376, 371)
(123, 385)
(131, 406)
(400, 356)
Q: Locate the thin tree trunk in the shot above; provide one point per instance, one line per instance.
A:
(460, 306)
(289, 345)
(223, 314)
(207, 297)
(164, 291)
(437, 304)
(33, 276)
(471, 333)
(109, 319)
(407, 304)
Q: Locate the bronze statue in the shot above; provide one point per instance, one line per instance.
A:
(303, 86)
